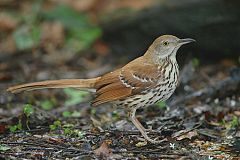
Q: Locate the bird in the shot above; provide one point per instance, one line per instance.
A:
(142, 82)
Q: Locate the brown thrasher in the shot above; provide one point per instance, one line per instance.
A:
(142, 82)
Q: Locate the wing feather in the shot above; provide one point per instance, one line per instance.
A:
(132, 79)
(111, 96)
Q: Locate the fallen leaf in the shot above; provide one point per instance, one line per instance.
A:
(55, 140)
(101, 48)
(103, 150)
(8, 45)
(5, 77)
(3, 128)
(80, 5)
(237, 113)
(188, 135)
(7, 23)
(141, 144)
(53, 36)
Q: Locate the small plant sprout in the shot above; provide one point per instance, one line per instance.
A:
(69, 130)
(56, 124)
(28, 110)
(14, 128)
(74, 114)
(48, 104)
(66, 114)
(234, 123)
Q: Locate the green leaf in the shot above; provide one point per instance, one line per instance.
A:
(68, 125)
(115, 115)
(52, 127)
(55, 125)
(67, 131)
(93, 111)
(234, 122)
(74, 96)
(28, 110)
(161, 104)
(36, 34)
(19, 125)
(66, 114)
(79, 133)
(47, 104)
(67, 16)
(27, 37)
(81, 33)
(23, 39)
(82, 38)
(76, 114)
(13, 128)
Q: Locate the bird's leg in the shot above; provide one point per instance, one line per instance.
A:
(140, 127)
(135, 121)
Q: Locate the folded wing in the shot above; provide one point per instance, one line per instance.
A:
(132, 79)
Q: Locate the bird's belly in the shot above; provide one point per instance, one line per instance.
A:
(147, 98)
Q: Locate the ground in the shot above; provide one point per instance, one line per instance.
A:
(200, 121)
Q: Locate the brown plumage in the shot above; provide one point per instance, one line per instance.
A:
(142, 82)
(63, 83)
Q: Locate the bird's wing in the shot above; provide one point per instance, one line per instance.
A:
(132, 79)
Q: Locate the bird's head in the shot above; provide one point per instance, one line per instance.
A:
(167, 45)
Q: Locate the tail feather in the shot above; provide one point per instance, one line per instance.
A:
(63, 83)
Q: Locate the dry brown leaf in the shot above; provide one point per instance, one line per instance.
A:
(55, 140)
(237, 113)
(7, 23)
(101, 48)
(111, 5)
(3, 128)
(52, 36)
(106, 5)
(5, 77)
(103, 150)
(82, 5)
(8, 45)
(188, 135)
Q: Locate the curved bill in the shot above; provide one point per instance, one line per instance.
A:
(186, 40)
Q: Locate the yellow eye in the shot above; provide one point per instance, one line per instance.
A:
(165, 43)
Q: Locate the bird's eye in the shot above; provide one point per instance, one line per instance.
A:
(165, 43)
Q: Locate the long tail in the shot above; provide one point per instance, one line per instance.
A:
(63, 83)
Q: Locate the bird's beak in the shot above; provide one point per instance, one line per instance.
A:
(185, 41)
